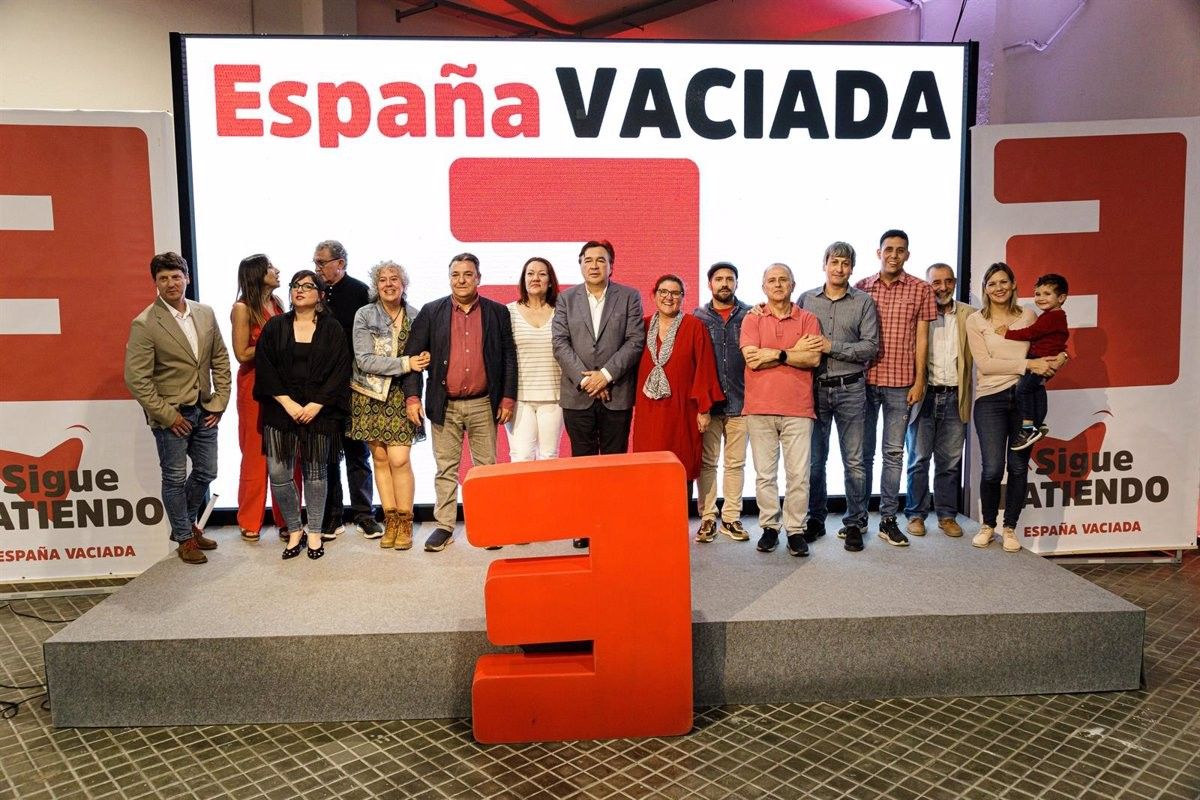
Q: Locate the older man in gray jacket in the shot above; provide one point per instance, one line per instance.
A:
(598, 335)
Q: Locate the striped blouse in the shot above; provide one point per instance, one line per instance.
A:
(537, 371)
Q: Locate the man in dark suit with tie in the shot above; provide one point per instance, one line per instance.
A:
(598, 335)
(177, 368)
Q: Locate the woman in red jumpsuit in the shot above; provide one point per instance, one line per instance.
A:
(257, 281)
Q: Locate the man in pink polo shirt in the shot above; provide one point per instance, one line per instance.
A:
(781, 347)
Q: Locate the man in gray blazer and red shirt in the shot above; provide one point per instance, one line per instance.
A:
(472, 383)
(598, 335)
(177, 368)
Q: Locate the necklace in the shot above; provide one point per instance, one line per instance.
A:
(396, 316)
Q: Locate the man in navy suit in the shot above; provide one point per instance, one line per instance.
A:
(598, 335)
(472, 382)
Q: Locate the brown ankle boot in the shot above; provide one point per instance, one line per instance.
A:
(404, 533)
(391, 526)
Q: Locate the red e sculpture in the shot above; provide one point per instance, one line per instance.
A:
(630, 597)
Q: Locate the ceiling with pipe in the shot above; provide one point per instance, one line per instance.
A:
(594, 19)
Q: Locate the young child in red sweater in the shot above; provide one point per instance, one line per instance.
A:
(1047, 336)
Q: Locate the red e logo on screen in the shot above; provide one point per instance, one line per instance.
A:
(76, 237)
(1132, 266)
(649, 208)
(630, 597)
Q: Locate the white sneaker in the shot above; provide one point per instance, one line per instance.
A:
(1011, 543)
(984, 537)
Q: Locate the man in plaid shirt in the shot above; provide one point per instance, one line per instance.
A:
(896, 379)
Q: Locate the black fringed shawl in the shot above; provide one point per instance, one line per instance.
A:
(327, 383)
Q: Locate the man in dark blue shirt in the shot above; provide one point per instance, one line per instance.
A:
(723, 317)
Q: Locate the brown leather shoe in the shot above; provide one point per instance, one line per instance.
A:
(916, 527)
(202, 541)
(950, 527)
(404, 530)
(189, 553)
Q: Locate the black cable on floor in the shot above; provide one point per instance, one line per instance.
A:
(29, 615)
(9, 708)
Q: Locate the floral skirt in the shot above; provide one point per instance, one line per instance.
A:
(384, 421)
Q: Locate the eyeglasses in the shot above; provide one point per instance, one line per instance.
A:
(304, 287)
(672, 293)
(320, 262)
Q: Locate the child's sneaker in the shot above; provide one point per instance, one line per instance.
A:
(1027, 437)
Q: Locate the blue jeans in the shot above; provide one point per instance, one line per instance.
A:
(184, 495)
(847, 406)
(998, 421)
(1031, 397)
(938, 431)
(283, 489)
(894, 402)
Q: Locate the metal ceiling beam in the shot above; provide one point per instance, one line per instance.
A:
(486, 17)
(617, 21)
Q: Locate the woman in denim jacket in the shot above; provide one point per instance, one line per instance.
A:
(377, 402)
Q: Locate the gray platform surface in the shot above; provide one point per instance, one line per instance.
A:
(371, 634)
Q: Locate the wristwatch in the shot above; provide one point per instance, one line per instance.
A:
(783, 356)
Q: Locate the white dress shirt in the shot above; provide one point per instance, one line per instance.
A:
(596, 305)
(187, 325)
(943, 349)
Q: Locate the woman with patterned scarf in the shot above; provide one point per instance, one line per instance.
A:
(677, 380)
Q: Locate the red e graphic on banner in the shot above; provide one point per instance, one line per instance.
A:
(631, 597)
(77, 234)
(1138, 180)
(649, 208)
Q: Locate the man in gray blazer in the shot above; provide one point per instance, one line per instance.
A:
(177, 368)
(598, 334)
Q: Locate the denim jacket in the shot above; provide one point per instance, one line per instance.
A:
(375, 354)
(731, 366)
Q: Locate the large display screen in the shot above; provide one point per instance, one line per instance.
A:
(682, 154)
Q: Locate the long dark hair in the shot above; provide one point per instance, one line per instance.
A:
(551, 290)
(252, 290)
(322, 288)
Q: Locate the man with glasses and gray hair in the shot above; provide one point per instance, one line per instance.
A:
(344, 297)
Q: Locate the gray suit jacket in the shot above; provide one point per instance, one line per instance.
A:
(617, 348)
(161, 372)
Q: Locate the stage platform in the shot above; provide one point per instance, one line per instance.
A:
(371, 634)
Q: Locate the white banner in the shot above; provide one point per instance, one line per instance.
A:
(1114, 207)
(682, 154)
(86, 198)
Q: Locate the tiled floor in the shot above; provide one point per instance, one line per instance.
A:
(1143, 744)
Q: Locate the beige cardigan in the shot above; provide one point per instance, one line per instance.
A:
(998, 361)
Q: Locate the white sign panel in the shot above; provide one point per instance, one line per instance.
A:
(86, 198)
(1114, 207)
(681, 154)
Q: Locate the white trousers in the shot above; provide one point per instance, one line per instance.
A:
(534, 430)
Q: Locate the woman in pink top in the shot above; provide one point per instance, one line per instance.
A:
(999, 363)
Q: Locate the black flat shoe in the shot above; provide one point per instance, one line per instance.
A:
(315, 554)
(292, 552)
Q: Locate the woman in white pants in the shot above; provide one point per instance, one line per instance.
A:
(536, 426)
